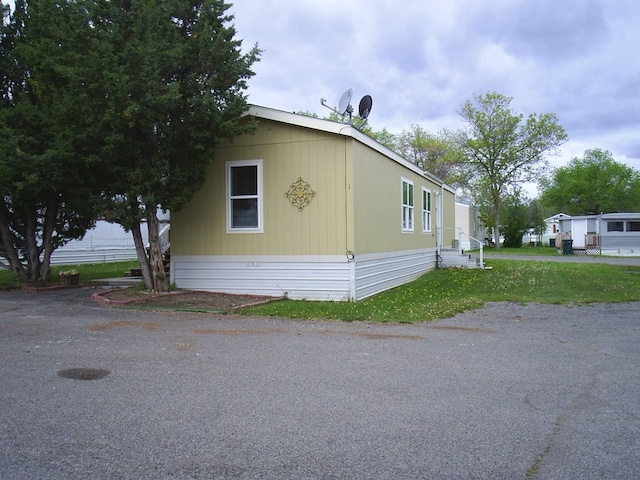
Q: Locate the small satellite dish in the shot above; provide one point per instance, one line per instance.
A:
(364, 109)
(345, 102)
(345, 108)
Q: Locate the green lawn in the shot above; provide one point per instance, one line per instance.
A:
(524, 250)
(87, 272)
(443, 293)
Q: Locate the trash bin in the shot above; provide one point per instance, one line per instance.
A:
(567, 246)
(552, 242)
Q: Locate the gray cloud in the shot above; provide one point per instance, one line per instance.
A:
(420, 60)
(550, 30)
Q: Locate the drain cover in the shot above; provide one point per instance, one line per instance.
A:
(83, 373)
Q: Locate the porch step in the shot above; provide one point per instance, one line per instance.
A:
(453, 259)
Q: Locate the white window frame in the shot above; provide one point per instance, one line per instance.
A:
(258, 196)
(408, 212)
(427, 207)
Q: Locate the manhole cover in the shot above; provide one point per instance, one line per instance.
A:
(83, 373)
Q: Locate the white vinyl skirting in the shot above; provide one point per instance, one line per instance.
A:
(328, 277)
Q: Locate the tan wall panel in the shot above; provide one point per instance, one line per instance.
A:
(378, 205)
(287, 153)
(449, 220)
(357, 205)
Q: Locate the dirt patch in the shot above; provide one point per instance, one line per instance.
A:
(219, 331)
(186, 301)
(83, 373)
(462, 329)
(387, 336)
(148, 326)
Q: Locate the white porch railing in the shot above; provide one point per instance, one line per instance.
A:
(165, 241)
(460, 232)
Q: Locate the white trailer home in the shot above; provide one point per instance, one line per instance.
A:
(605, 234)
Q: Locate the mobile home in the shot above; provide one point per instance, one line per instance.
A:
(311, 209)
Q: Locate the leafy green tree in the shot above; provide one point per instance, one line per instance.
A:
(593, 184)
(504, 150)
(383, 136)
(49, 171)
(516, 221)
(439, 154)
(537, 215)
(176, 91)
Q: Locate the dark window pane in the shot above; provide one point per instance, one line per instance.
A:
(245, 213)
(615, 226)
(633, 226)
(244, 180)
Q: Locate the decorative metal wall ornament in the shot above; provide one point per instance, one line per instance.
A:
(300, 194)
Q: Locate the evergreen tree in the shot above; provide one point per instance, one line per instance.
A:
(49, 170)
(176, 91)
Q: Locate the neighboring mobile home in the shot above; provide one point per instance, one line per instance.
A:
(553, 227)
(312, 209)
(607, 233)
(106, 242)
(469, 230)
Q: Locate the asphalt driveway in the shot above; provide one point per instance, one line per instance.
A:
(513, 392)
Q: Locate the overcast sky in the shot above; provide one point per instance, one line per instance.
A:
(421, 60)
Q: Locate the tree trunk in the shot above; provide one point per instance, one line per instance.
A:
(9, 250)
(156, 263)
(142, 255)
(32, 252)
(50, 217)
(496, 223)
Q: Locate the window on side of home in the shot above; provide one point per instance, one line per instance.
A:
(633, 226)
(407, 205)
(244, 196)
(426, 210)
(615, 226)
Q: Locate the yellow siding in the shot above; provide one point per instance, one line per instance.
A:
(449, 220)
(287, 153)
(378, 205)
(357, 206)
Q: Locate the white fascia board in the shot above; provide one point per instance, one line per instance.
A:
(340, 129)
(620, 216)
(299, 120)
(557, 216)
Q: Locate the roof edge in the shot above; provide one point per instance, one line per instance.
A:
(337, 128)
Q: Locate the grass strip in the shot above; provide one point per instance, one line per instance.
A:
(88, 271)
(444, 293)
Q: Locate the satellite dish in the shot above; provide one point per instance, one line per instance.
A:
(344, 106)
(364, 109)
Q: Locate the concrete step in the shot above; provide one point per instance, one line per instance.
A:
(453, 259)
